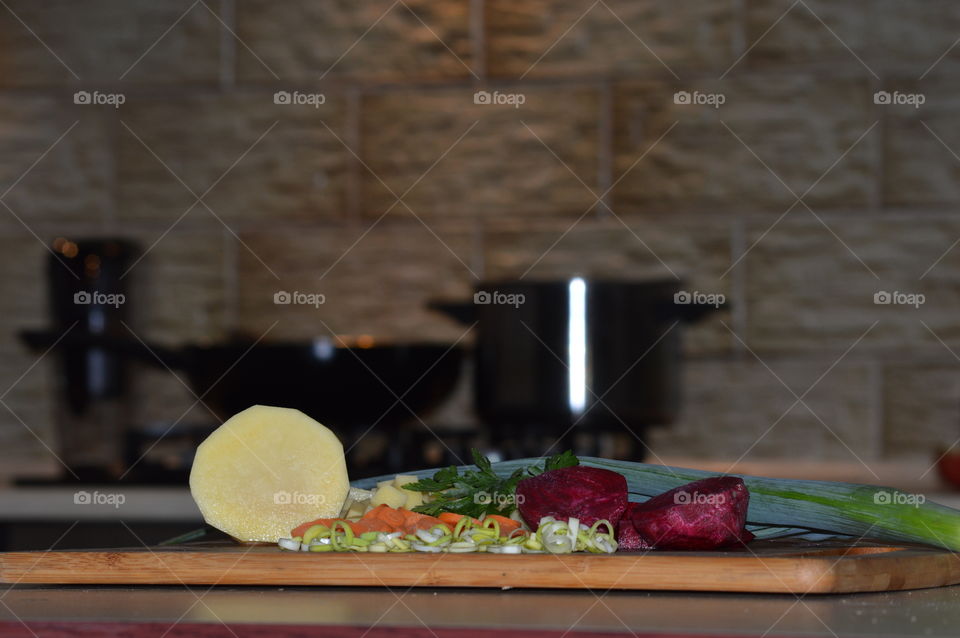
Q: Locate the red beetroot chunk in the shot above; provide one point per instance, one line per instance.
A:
(702, 515)
(586, 493)
(627, 535)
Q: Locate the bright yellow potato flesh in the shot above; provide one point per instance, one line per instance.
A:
(265, 471)
(388, 495)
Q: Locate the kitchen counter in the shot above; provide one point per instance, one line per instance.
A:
(98, 502)
(299, 611)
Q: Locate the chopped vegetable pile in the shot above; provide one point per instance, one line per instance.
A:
(556, 507)
(385, 529)
(564, 504)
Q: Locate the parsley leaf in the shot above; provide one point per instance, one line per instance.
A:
(481, 491)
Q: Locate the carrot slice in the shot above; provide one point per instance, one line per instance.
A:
(451, 519)
(370, 525)
(300, 530)
(386, 514)
(421, 521)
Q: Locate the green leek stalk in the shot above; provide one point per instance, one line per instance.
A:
(787, 506)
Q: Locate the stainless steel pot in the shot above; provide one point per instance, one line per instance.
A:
(597, 354)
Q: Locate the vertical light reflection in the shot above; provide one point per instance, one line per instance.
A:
(577, 345)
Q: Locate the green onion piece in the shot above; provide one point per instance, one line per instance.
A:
(315, 531)
(347, 536)
(495, 526)
(463, 524)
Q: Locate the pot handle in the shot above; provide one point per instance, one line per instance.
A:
(691, 313)
(38, 340)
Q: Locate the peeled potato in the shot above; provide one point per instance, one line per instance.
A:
(267, 470)
(404, 479)
(414, 499)
(388, 495)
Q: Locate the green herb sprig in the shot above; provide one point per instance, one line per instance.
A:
(478, 492)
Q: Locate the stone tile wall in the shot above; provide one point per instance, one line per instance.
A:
(799, 197)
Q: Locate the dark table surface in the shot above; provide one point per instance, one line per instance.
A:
(173, 611)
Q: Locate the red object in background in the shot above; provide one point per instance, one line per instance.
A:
(948, 466)
(587, 493)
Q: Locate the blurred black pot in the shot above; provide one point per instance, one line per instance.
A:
(597, 354)
(339, 385)
(336, 384)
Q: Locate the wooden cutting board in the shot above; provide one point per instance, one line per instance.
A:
(767, 566)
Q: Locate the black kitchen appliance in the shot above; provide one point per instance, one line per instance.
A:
(88, 301)
(567, 357)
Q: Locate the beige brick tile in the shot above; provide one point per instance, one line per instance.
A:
(379, 287)
(499, 168)
(295, 172)
(78, 34)
(734, 409)
(302, 41)
(798, 125)
(545, 38)
(805, 289)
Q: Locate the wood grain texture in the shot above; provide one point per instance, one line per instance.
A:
(765, 567)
